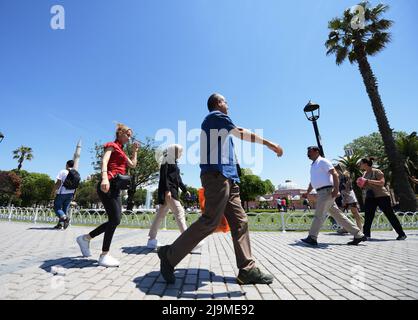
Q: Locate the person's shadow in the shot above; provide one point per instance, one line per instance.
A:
(320, 246)
(323, 245)
(139, 250)
(67, 263)
(153, 284)
(144, 250)
(43, 228)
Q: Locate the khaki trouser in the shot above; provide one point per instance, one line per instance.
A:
(326, 203)
(178, 211)
(221, 198)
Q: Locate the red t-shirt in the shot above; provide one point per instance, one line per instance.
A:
(118, 160)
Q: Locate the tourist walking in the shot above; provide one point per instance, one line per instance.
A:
(324, 179)
(284, 204)
(377, 195)
(348, 197)
(306, 205)
(113, 180)
(64, 190)
(168, 194)
(219, 175)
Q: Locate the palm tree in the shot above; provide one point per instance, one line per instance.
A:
(351, 164)
(21, 154)
(350, 39)
(408, 147)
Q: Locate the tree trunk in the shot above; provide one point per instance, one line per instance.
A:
(130, 200)
(400, 179)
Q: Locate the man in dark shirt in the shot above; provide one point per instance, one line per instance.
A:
(219, 175)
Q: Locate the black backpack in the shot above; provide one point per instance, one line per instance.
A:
(73, 180)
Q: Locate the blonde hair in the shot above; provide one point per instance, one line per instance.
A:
(121, 128)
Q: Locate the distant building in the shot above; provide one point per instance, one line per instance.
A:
(288, 190)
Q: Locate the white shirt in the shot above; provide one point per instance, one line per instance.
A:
(320, 176)
(62, 175)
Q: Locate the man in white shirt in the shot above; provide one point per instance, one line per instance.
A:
(63, 197)
(324, 179)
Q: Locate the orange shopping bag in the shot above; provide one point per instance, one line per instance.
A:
(223, 226)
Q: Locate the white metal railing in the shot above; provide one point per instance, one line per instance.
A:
(142, 218)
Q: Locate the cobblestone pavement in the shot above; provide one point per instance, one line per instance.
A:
(37, 262)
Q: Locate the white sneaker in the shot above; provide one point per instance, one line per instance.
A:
(84, 246)
(152, 244)
(108, 261)
(199, 246)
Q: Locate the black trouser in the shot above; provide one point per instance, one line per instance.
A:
(385, 205)
(113, 206)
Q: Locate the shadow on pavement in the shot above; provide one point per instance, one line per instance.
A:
(44, 228)
(143, 250)
(139, 250)
(186, 284)
(380, 240)
(68, 263)
(321, 246)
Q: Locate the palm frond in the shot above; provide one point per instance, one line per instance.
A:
(352, 57)
(331, 43)
(377, 11)
(347, 40)
(335, 24)
(341, 55)
(333, 49)
(377, 42)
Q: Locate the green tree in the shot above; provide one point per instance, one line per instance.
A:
(36, 188)
(21, 154)
(140, 197)
(252, 186)
(155, 196)
(350, 39)
(269, 187)
(86, 194)
(408, 146)
(372, 145)
(10, 186)
(146, 172)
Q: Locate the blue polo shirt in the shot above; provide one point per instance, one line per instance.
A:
(217, 152)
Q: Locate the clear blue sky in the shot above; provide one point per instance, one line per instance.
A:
(150, 63)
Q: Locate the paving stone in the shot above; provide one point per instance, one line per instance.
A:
(377, 270)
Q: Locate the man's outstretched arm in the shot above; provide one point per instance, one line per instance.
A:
(252, 137)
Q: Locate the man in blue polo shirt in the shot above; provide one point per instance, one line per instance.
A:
(220, 178)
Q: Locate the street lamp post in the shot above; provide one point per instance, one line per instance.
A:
(1, 137)
(312, 114)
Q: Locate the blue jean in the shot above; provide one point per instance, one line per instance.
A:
(62, 203)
